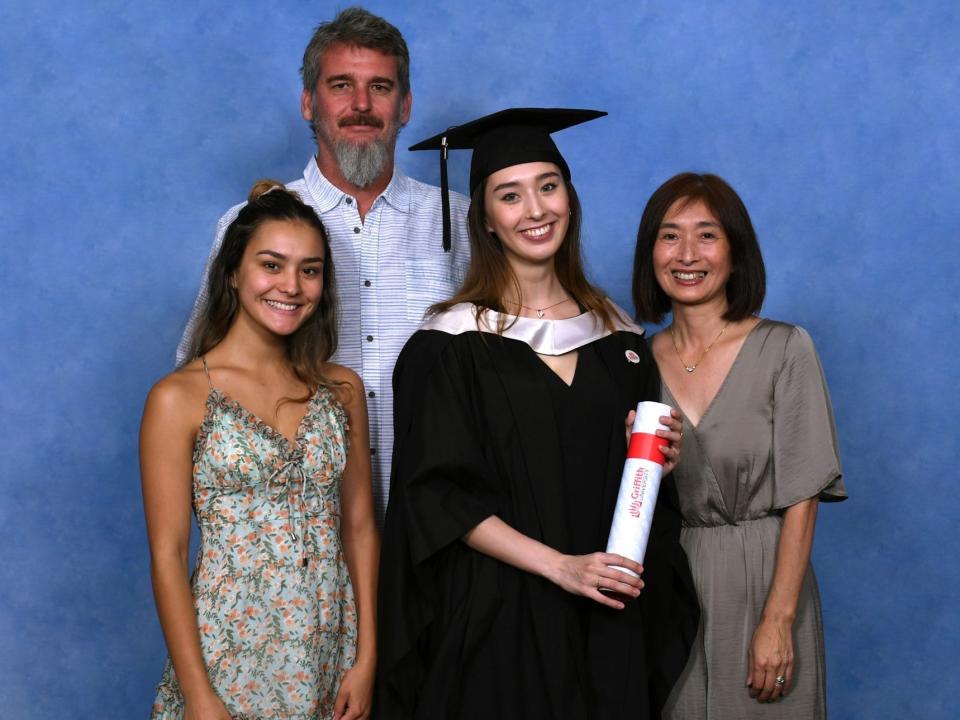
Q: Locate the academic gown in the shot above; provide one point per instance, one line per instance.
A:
(463, 635)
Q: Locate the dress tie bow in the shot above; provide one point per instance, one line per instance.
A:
(290, 480)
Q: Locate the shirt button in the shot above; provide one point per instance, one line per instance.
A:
(356, 230)
(369, 338)
(371, 394)
(366, 283)
(349, 201)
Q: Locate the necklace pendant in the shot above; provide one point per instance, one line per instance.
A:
(676, 348)
(540, 313)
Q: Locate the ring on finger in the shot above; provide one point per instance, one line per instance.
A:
(780, 680)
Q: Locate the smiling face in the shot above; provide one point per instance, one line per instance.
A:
(528, 209)
(356, 111)
(279, 281)
(691, 256)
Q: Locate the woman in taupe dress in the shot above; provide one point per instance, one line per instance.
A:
(760, 453)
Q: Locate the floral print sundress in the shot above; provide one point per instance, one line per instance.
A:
(274, 602)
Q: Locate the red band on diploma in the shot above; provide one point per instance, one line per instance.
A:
(644, 446)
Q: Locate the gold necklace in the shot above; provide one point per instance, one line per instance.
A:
(691, 368)
(541, 311)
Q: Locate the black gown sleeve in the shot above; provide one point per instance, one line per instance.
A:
(441, 487)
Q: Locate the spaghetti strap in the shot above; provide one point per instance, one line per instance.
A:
(206, 371)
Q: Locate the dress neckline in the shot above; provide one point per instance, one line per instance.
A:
(218, 396)
(719, 392)
(255, 420)
(576, 369)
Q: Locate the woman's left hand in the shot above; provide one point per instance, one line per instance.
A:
(770, 659)
(674, 436)
(355, 696)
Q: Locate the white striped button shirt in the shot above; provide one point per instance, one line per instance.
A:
(389, 269)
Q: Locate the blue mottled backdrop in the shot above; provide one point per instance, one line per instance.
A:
(127, 128)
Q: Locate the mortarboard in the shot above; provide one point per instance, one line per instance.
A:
(501, 140)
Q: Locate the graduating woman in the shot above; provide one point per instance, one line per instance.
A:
(510, 410)
(760, 452)
(267, 441)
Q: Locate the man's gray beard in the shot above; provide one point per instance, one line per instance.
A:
(362, 164)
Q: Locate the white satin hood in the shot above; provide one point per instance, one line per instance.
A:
(546, 337)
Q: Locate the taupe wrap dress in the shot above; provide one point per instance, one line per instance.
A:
(765, 442)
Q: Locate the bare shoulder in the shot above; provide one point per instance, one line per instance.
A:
(344, 375)
(347, 386)
(179, 397)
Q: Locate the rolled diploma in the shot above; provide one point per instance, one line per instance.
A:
(639, 485)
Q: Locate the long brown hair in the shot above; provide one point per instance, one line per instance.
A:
(314, 342)
(490, 276)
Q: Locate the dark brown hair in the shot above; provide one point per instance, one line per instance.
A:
(747, 284)
(314, 342)
(489, 275)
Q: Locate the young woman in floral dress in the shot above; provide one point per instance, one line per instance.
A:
(267, 441)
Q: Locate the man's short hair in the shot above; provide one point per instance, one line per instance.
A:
(356, 27)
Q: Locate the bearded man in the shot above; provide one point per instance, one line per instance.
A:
(384, 228)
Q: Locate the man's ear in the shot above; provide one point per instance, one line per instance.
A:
(405, 107)
(306, 105)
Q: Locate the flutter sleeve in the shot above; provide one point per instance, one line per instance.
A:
(806, 455)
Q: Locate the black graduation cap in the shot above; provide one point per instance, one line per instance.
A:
(501, 140)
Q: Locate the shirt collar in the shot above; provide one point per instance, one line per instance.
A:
(547, 337)
(327, 196)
